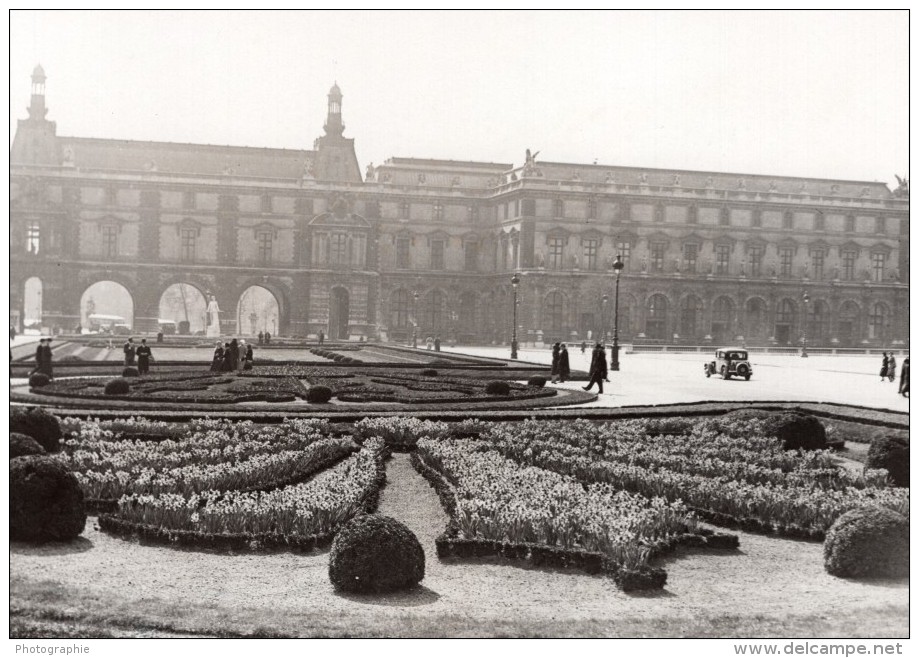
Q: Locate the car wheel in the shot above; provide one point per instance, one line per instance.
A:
(747, 377)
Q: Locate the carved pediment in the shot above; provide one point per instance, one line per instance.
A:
(348, 220)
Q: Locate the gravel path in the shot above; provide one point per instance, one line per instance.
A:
(768, 579)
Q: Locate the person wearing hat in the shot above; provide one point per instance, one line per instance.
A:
(144, 356)
(904, 378)
(597, 368)
(217, 362)
(129, 352)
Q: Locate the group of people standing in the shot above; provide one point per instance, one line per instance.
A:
(264, 338)
(233, 356)
(889, 372)
(142, 353)
(43, 358)
(561, 368)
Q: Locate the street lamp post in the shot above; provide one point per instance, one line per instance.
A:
(515, 281)
(805, 299)
(415, 319)
(617, 266)
(603, 300)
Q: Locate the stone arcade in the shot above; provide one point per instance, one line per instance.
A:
(709, 257)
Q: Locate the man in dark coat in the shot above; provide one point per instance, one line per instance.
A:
(225, 361)
(597, 368)
(234, 355)
(48, 360)
(556, 353)
(437, 343)
(129, 352)
(217, 361)
(904, 378)
(250, 357)
(40, 357)
(321, 336)
(144, 356)
(564, 367)
(884, 363)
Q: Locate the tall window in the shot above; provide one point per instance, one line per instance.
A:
(690, 316)
(556, 252)
(657, 256)
(555, 303)
(400, 308)
(877, 320)
(788, 219)
(786, 259)
(690, 256)
(591, 208)
(819, 221)
(111, 196)
(878, 260)
(850, 223)
(516, 207)
(438, 211)
(432, 311)
(818, 259)
(402, 254)
(692, 214)
(437, 254)
(504, 246)
(591, 252)
(757, 218)
(515, 252)
(109, 241)
(656, 322)
(724, 218)
(264, 240)
(33, 238)
(405, 208)
(188, 200)
(624, 251)
(188, 238)
(756, 261)
(659, 213)
(266, 203)
(338, 249)
(848, 265)
(880, 225)
(559, 208)
(472, 256)
(722, 259)
(472, 213)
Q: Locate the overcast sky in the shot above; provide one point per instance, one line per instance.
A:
(822, 94)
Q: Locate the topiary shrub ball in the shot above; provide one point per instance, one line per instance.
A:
(868, 542)
(498, 388)
(22, 445)
(46, 502)
(796, 430)
(37, 423)
(319, 394)
(130, 372)
(375, 553)
(118, 386)
(891, 453)
(38, 379)
(536, 380)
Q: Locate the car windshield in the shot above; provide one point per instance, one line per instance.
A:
(742, 356)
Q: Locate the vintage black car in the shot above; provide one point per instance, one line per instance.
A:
(730, 362)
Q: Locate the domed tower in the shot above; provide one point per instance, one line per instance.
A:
(36, 137)
(336, 160)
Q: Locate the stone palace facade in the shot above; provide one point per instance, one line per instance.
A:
(709, 257)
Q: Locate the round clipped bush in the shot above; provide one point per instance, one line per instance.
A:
(38, 379)
(498, 388)
(891, 453)
(429, 372)
(796, 430)
(868, 542)
(42, 426)
(22, 445)
(536, 380)
(119, 386)
(46, 502)
(375, 553)
(319, 394)
(130, 372)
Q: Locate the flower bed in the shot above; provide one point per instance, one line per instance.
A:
(725, 470)
(500, 506)
(299, 517)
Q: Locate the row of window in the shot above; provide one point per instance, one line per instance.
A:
(437, 262)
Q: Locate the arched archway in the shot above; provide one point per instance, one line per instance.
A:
(722, 317)
(690, 317)
(656, 321)
(467, 322)
(786, 314)
(818, 322)
(185, 305)
(32, 304)
(339, 313)
(106, 304)
(431, 312)
(258, 310)
(400, 309)
(554, 316)
(847, 323)
(756, 329)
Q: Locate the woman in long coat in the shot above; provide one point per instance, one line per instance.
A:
(884, 364)
(217, 363)
(891, 367)
(225, 363)
(555, 357)
(564, 367)
(904, 378)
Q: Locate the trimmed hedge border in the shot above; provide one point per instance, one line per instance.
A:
(242, 541)
(449, 544)
(110, 505)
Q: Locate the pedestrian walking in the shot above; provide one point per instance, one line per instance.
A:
(250, 357)
(130, 351)
(884, 364)
(48, 360)
(891, 367)
(40, 356)
(597, 368)
(564, 366)
(556, 354)
(904, 378)
(217, 361)
(144, 357)
(321, 336)
(583, 346)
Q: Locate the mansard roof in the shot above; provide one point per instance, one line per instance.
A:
(178, 158)
(441, 173)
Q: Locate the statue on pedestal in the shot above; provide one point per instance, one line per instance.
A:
(213, 318)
